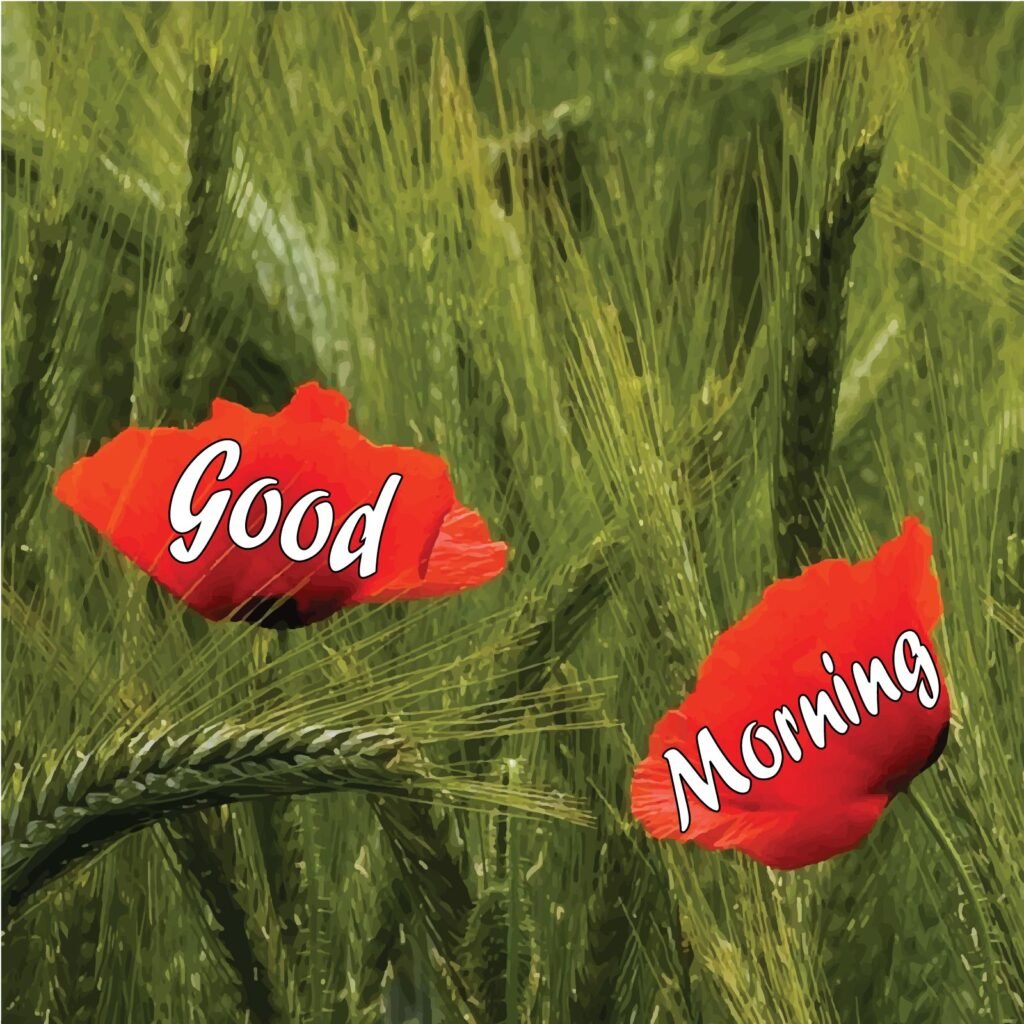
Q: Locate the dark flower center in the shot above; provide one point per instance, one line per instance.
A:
(940, 746)
(270, 612)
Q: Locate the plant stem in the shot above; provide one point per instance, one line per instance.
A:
(931, 822)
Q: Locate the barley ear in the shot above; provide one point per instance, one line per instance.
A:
(74, 986)
(811, 386)
(209, 159)
(26, 406)
(484, 951)
(621, 907)
(87, 804)
(430, 855)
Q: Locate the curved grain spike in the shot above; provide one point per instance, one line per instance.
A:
(175, 779)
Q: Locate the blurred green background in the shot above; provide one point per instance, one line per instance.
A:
(686, 296)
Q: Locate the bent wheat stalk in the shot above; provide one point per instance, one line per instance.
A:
(82, 808)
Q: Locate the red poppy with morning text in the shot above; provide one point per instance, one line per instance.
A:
(878, 734)
(429, 544)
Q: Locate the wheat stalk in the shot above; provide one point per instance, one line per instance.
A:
(484, 950)
(627, 887)
(266, 15)
(209, 160)
(486, 409)
(25, 408)
(81, 808)
(97, 209)
(280, 836)
(431, 860)
(206, 843)
(206, 846)
(74, 987)
(593, 996)
(427, 847)
(809, 408)
(378, 951)
(554, 638)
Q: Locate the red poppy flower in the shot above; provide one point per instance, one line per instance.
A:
(222, 536)
(801, 736)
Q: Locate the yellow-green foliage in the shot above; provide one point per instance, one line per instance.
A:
(568, 248)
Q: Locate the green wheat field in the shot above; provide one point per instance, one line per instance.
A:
(687, 297)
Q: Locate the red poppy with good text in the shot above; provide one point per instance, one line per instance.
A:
(828, 800)
(431, 545)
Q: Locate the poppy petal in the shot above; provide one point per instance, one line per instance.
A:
(464, 556)
(823, 802)
(312, 402)
(124, 491)
(797, 838)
